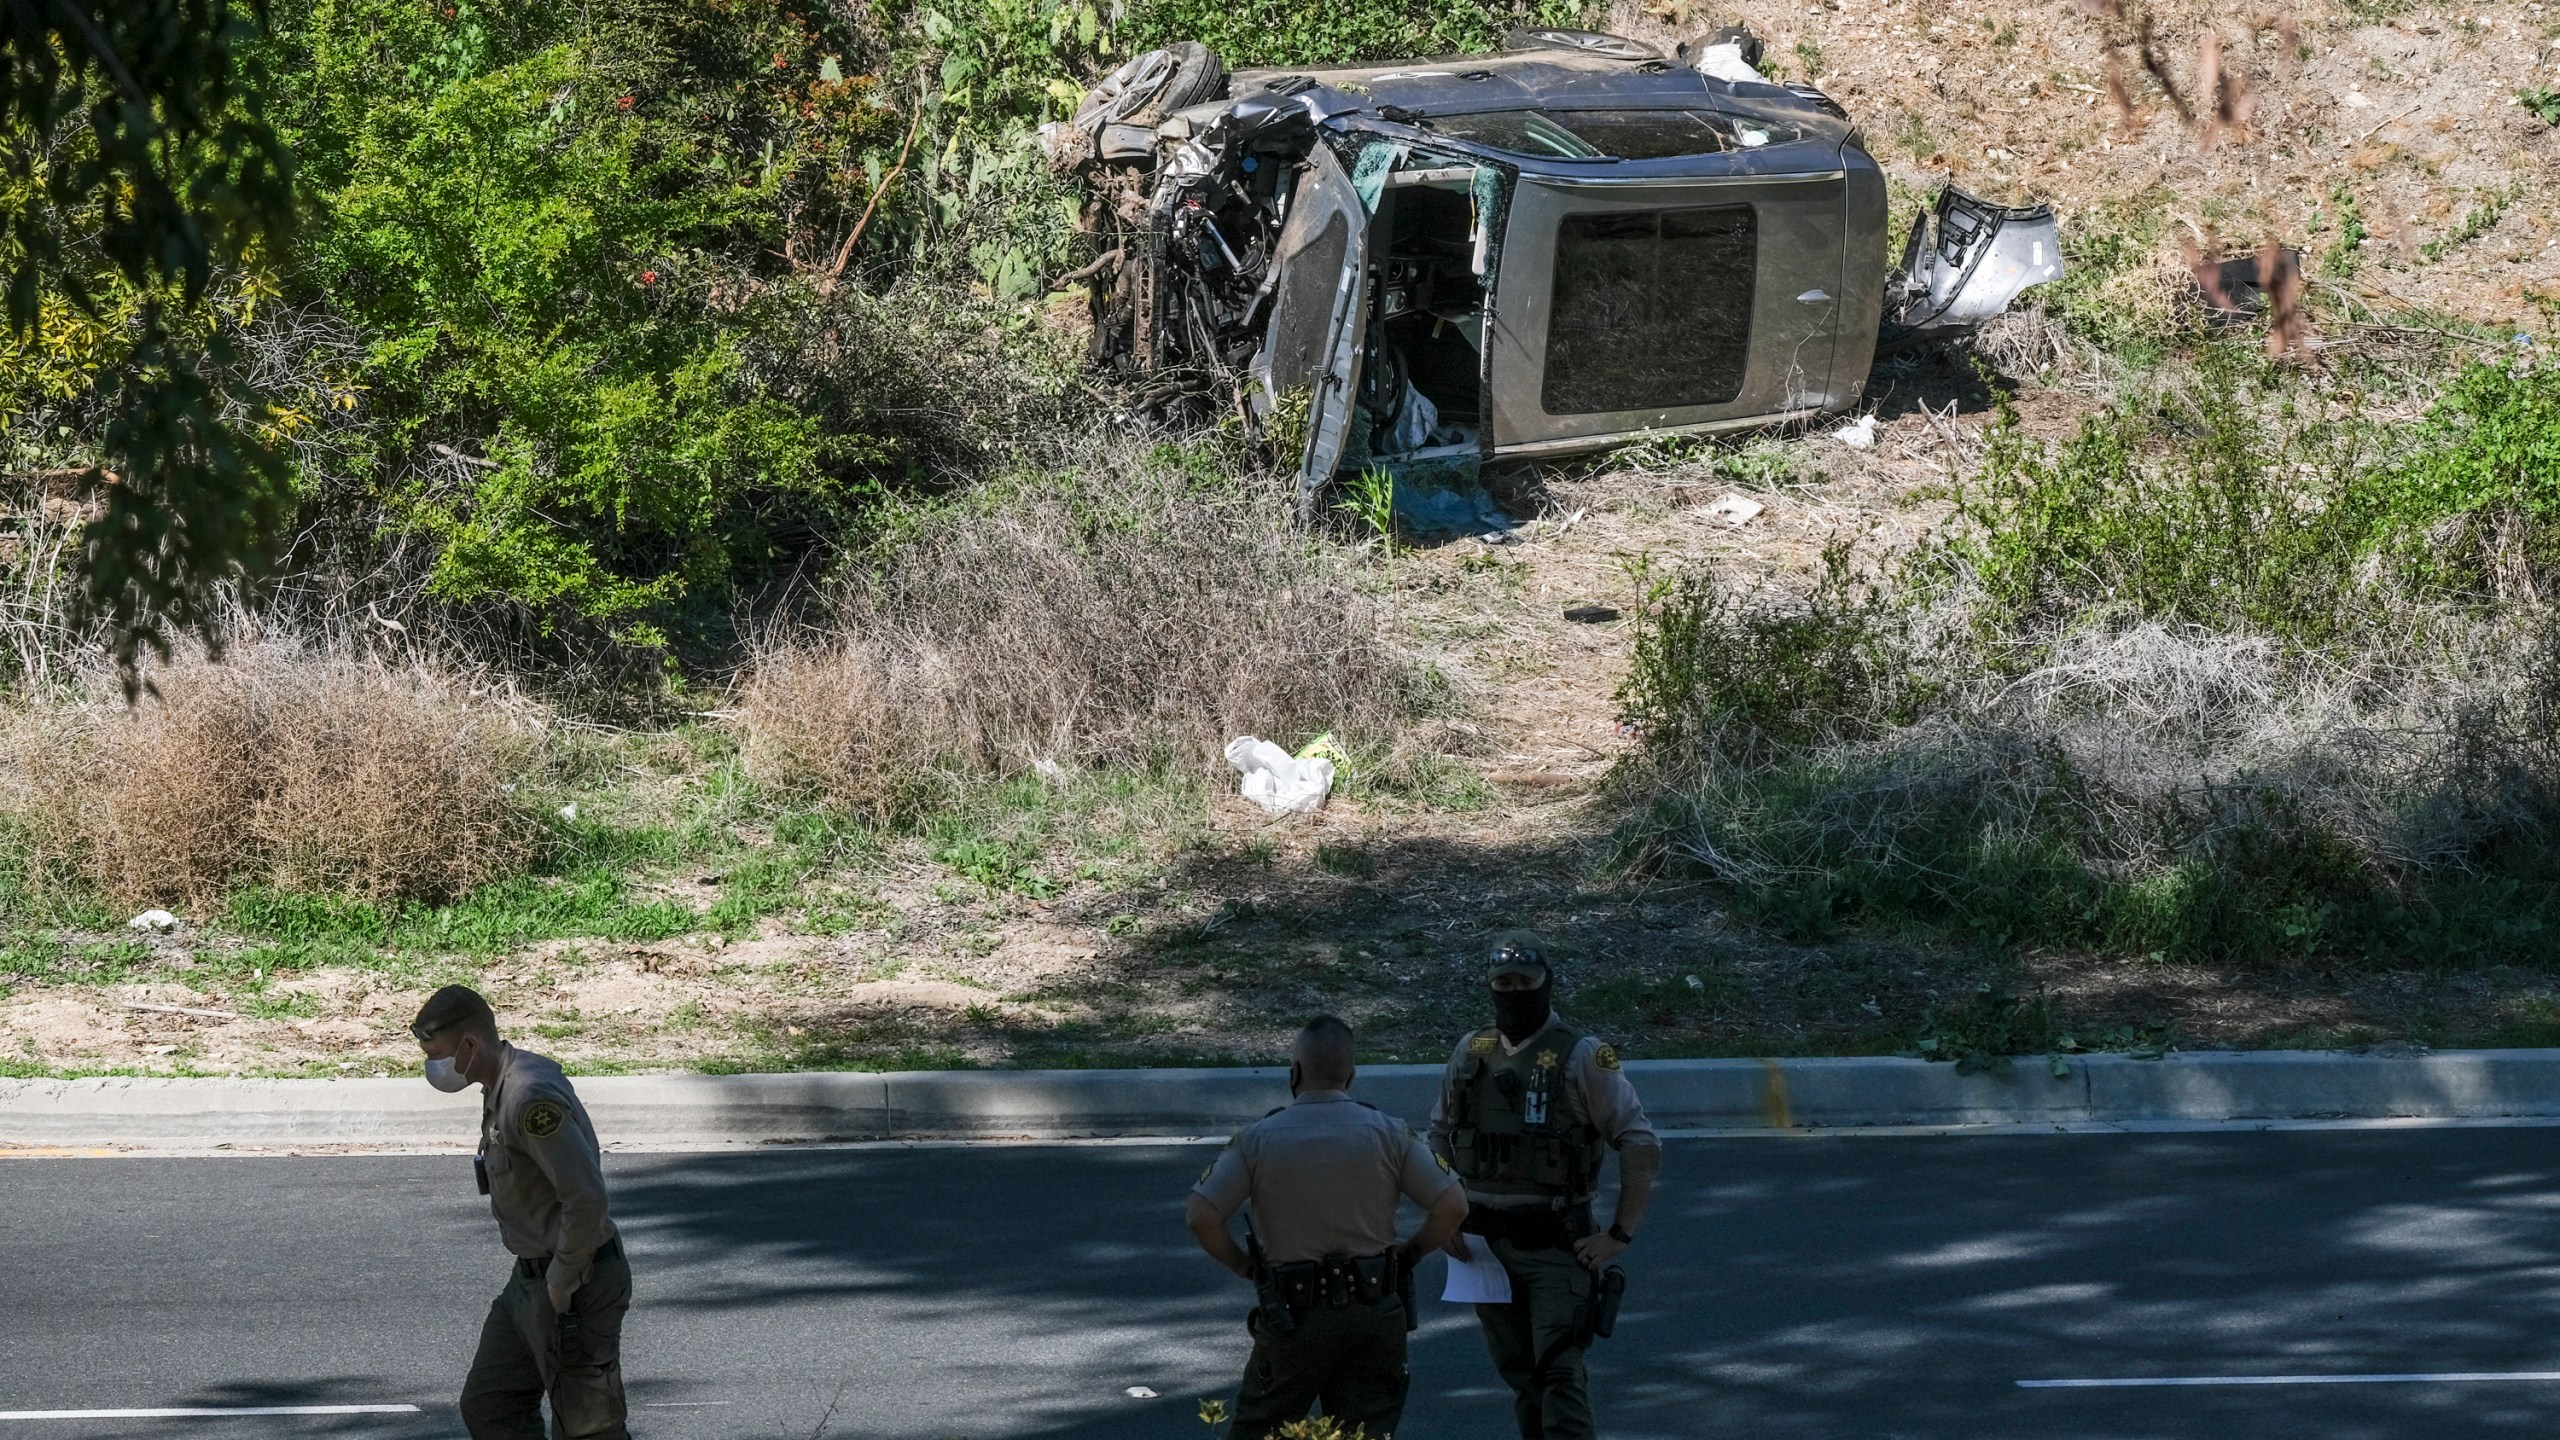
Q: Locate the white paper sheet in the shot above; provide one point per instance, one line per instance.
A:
(1480, 1280)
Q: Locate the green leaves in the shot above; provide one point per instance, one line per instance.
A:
(137, 152)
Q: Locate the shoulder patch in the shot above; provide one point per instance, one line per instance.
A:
(1481, 1045)
(541, 1119)
(1606, 1057)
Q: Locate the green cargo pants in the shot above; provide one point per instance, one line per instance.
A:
(519, 1360)
(1550, 1294)
(1350, 1359)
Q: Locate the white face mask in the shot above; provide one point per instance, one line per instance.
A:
(442, 1075)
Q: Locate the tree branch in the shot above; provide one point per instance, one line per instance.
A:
(844, 252)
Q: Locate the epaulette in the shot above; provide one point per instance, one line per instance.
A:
(1274, 1110)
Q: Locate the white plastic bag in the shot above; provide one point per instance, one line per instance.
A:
(1725, 62)
(1858, 434)
(1279, 782)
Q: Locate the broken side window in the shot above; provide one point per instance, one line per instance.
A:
(1651, 309)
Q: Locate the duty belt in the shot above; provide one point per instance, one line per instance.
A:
(1337, 1280)
(1541, 1228)
(534, 1267)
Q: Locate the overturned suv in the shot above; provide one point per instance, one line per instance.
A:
(1551, 249)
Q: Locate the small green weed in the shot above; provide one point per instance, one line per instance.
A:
(1348, 860)
(2543, 101)
(1986, 1032)
(997, 865)
(2476, 222)
(2345, 253)
(1370, 500)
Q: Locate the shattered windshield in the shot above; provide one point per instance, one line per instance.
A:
(1609, 134)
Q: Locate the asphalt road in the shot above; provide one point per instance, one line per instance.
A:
(1823, 1287)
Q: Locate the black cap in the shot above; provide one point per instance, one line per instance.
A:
(451, 1007)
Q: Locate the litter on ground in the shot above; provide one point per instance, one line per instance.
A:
(1279, 782)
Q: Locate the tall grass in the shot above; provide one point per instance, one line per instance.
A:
(1126, 613)
(2237, 674)
(282, 766)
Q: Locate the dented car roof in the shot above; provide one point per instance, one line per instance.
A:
(1803, 130)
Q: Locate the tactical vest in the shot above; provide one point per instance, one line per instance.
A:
(1508, 1130)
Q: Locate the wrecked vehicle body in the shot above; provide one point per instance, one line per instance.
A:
(1554, 249)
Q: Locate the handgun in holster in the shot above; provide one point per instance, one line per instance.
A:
(1405, 1259)
(1600, 1313)
(1273, 1307)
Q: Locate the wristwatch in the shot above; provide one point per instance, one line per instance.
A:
(1619, 1233)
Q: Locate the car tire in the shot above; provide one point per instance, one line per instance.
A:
(1151, 85)
(1198, 76)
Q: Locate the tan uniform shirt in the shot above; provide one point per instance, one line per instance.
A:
(1324, 1175)
(546, 1172)
(1596, 1091)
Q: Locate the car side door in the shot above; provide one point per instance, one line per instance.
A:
(1312, 344)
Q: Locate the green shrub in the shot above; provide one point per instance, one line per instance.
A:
(2478, 505)
(1743, 678)
(2204, 682)
(2222, 504)
(1277, 32)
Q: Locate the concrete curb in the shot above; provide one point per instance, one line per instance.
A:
(1773, 1096)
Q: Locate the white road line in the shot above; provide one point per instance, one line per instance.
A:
(199, 1412)
(2453, 1377)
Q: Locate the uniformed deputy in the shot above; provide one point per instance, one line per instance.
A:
(557, 1327)
(1528, 1110)
(1323, 1176)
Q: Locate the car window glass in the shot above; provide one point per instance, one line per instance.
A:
(1521, 132)
(1611, 134)
(1651, 309)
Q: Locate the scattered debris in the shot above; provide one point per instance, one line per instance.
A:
(179, 1010)
(1858, 434)
(1425, 509)
(1739, 510)
(2268, 283)
(159, 922)
(1141, 1392)
(1534, 779)
(1279, 782)
(1590, 614)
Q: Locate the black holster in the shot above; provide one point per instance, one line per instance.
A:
(1600, 1315)
(1405, 1260)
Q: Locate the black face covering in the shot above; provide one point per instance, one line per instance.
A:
(1518, 1014)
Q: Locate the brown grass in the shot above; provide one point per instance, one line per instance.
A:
(1133, 619)
(304, 772)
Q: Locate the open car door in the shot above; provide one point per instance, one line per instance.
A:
(1311, 349)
